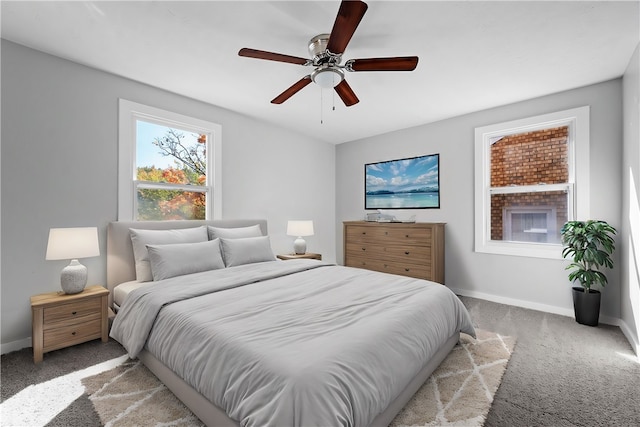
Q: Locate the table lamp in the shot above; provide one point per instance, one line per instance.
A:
(299, 229)
(73, 243)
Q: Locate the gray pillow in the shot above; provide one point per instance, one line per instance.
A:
(141, 238)
(184, 258)
(234, 233)
(247, 250)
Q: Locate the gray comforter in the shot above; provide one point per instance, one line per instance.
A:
(293, 343)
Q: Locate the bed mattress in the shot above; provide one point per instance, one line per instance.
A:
(121, 292)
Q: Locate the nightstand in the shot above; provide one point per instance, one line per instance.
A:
(308, 255)
(60, 320)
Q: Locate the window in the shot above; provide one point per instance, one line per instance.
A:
(531, 176)
(169, 165)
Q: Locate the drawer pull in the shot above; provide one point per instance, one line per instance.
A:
(406, 235)
(74, 312)
(364, 232)
(407, 269)
(73, 333)
(364, 249)
(406, 252)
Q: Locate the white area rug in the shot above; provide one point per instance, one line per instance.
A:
(458, 393)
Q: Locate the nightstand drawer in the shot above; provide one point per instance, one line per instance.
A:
(70, 311)
(64, 336)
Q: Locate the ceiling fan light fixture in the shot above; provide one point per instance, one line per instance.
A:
(327, 77)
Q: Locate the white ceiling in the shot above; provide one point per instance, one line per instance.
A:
(473, 55)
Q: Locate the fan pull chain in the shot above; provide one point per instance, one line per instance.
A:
(321, 107)
(333, 100)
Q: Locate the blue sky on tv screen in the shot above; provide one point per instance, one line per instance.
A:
(419, 173)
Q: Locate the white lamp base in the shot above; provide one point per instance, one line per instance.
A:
(73, 277)
(300, 246)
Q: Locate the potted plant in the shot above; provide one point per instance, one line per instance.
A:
(590, 244)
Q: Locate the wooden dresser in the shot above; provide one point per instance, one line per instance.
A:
(408, 249)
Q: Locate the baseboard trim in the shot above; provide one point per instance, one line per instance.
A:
(633, 340)
(530, 305)
(15, 345)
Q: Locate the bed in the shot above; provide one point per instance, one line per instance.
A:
(269, 342)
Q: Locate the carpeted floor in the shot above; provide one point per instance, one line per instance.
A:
(561, 373)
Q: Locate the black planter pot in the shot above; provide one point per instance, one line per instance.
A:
(586, 306)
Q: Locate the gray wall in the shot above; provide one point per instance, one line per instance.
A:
(530, 282)
(59, 169)
(630, 232)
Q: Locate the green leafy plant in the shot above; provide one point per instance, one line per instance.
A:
(590, 244)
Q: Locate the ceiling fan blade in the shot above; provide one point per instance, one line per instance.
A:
(347, 94)
(270, 56)
(400, 63)
(295, 88)
(349, 16)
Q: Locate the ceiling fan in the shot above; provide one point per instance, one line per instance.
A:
(327, 50)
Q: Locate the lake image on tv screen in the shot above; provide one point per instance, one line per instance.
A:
(407, 183)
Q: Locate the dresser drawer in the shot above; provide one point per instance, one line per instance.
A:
(392, 235)
(403, 254)
(410, 270)
(71, 334)
(69, 312)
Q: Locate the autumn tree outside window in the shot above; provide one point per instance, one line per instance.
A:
(171, 173)
(169, 165)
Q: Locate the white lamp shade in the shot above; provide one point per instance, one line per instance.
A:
(72, 243)
(300, 228)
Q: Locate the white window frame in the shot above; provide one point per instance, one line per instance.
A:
(128, 113)
(577, 120)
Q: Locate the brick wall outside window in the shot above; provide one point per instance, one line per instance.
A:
(529, 158)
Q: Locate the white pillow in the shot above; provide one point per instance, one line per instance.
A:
(234, 233)
(141, 238)
(184, 258)
(247, 250)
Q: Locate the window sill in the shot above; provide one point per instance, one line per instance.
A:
(548, 251)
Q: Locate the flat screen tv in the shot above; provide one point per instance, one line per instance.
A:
(412, 183)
